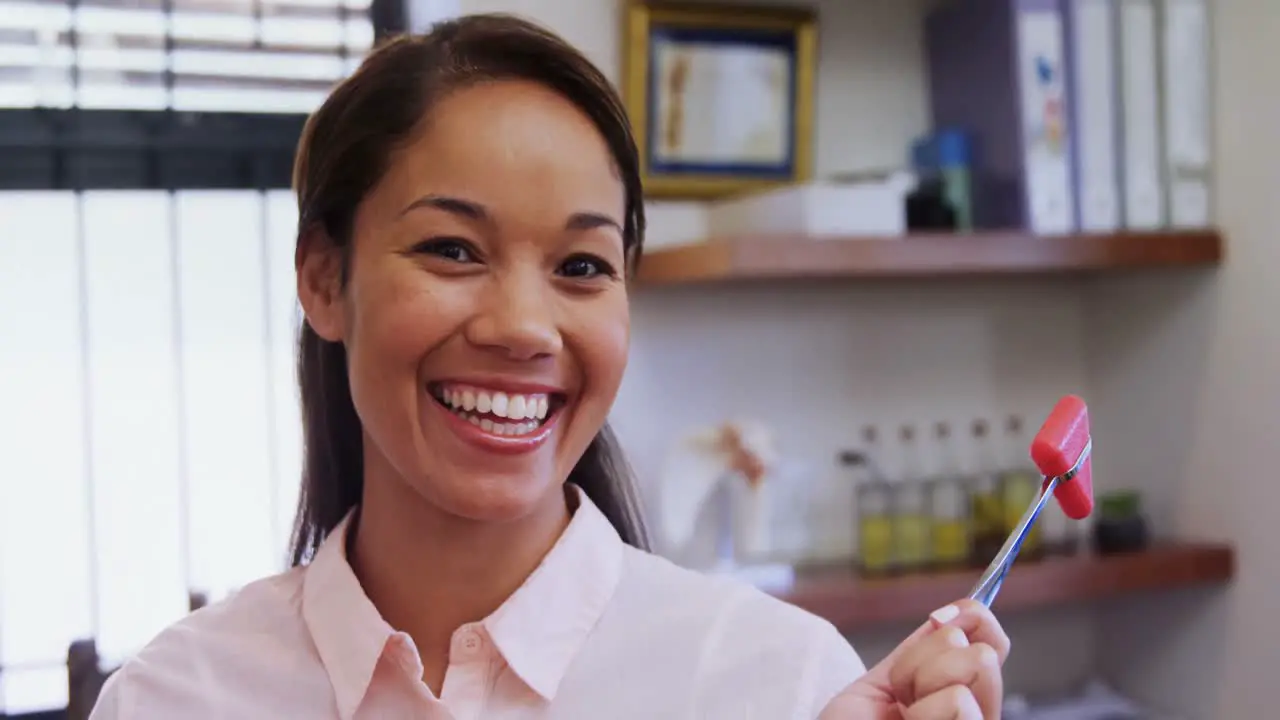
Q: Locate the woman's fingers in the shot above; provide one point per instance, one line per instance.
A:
(964, 652)
(953, 703)
(976, 668)
(978, 624)
(903, 674)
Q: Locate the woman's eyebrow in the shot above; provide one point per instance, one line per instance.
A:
(472, 210)
(591, 221)
(466, 208)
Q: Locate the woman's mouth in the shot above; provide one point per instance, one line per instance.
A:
(504, 414)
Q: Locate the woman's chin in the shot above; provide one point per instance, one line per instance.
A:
(496, 499)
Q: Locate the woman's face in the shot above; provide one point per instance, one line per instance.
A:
(485, 317)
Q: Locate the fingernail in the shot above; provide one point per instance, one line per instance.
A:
(944, 615)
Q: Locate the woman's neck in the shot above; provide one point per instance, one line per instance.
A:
(428, 572)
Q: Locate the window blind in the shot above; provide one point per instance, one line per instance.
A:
(150, 424)
(257, 56)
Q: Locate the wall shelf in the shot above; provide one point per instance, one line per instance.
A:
(851, 602)
(797, 258)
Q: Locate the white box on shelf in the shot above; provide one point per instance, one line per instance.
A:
(674, 223)
(822, 209)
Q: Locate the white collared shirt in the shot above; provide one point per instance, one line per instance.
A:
(599, 630)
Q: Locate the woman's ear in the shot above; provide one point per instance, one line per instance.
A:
(318, 261)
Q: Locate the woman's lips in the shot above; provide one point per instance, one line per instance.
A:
(497, 420)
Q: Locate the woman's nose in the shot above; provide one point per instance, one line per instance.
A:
(517, 318)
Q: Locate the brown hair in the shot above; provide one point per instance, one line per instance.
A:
(344, 150)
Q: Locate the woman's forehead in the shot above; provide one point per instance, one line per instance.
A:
(513, 147)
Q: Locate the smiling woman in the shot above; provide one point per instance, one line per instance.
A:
(442, 279)
(467, 544)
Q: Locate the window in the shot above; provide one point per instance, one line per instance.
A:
(255, 56)
(120, 478)
(87, 86)
(150, 423)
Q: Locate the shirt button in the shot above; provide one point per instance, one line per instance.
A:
(467, 644)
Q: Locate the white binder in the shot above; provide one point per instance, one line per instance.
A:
(1042, 80)
(1142, 158)
(1094, 38)
(1188, 106)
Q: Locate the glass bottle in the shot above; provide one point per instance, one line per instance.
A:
(985, 509)
(911, 507)
(948, 504)
(1019, 485)
(874, 508)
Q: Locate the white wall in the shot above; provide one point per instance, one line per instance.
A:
(1187, 368)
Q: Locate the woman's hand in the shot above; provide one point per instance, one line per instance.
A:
(948, 669)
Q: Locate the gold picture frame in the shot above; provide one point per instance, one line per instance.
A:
(757, 124)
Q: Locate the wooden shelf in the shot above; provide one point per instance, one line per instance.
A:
(850, 602)
(798, 257)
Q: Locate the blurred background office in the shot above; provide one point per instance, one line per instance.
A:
(886, 235)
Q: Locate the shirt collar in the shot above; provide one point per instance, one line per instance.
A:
(348, 632)
(538, 630)
(542, 626)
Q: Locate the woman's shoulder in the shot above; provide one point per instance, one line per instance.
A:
(219, 652)
(744, 645)
(270, 607)
(742, 634)
(660, 583)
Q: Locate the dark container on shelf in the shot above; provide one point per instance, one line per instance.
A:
(1120, 527)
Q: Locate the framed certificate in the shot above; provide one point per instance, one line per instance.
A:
(720, 97)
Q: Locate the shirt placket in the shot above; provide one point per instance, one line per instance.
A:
(467, 679)
(396, 689)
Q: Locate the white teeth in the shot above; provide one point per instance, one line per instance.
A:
(498, 428)
(516, 410)
(514, 428)
(470, 403)
(500, 404)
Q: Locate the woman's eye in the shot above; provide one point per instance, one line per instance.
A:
(586, 267)
(457, 250)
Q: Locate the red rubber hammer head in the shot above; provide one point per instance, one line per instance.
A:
(1063, 449)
